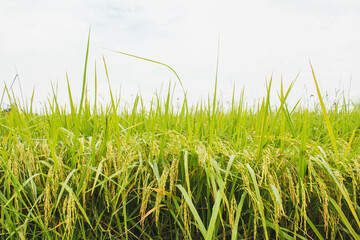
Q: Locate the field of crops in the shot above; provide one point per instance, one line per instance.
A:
(194, 172)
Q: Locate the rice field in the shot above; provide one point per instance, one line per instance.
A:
(194, 172)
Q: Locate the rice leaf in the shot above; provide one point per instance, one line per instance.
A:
(193, 210)
(84, 77)
(234, 231)
(277, 196)
(326, 117)
(344, 219)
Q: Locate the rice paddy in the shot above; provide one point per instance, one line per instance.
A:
(194, 172)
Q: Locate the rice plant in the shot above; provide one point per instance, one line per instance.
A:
(194, 172)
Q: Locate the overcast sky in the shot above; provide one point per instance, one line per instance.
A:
(44, 40)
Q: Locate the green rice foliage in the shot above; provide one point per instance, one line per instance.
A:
(188, 172)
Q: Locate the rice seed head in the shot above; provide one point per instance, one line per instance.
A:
(145, 199)
(159, 194)
(311, 174)
(21, 154)
(356, 167)
(297, 216)
(85, 185)
(29, 156)
(324, 200)
(15, 167)
(45, 150)
(289, 180)
(64, 206)
(256, 221)
(334, 223)
(232, 212)
(47, 202)
(203, 156)
(70, 214)
(354, 184)
(174, 172)
(110, 154)
(243, 173)
(62, 166)
(266, 159)
(303, 205)
(187, 221)
(105, 167)
(140, 169)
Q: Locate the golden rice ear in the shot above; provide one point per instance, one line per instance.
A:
(146, 191)
(160, 193)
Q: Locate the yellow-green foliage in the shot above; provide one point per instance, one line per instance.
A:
(106, 174)
(101, 172)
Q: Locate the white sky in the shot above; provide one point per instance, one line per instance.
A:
(46, 39)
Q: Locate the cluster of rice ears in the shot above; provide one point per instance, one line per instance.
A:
(194, 172)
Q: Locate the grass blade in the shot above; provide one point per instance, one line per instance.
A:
(234, 231)
(326, 116)
(84, 77)
(344, 219)
(193, 210)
